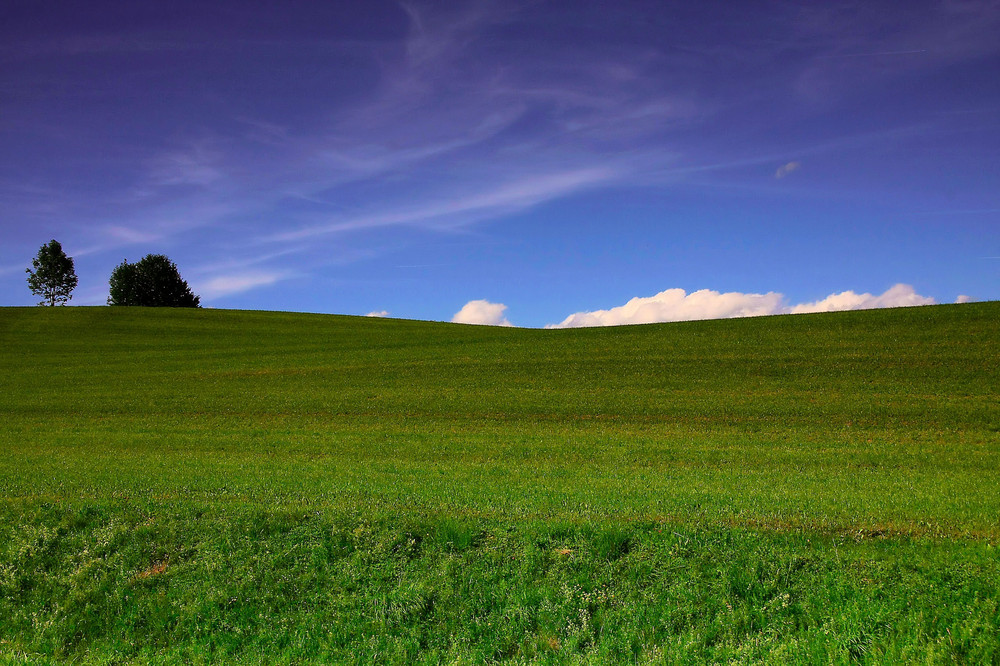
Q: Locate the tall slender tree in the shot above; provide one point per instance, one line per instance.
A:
(51, 275)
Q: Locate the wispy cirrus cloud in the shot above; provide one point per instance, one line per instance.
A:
(437, 144)
(128, 235)
(437, 141)
(453, 139)
(226, 285)
(786, 169)
(924, 36)
(450, 211)
(195, 165)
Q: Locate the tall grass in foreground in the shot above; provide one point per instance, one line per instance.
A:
(211, 486)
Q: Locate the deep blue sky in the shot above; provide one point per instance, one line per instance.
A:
(551, 157)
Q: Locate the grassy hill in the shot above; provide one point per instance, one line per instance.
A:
(223, 486)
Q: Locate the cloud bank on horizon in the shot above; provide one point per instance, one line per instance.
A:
(678, 305)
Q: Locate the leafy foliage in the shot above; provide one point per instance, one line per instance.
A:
(52, 275)
(153, 281)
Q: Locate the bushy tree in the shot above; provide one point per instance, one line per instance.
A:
(52, 275)
(153, 281)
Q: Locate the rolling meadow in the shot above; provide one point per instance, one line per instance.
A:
(209, 486)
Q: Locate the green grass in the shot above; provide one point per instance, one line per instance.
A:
(221, 486)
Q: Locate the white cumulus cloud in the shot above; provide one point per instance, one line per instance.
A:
(678, 305)
(962, 298)
(900, 295)
(378, 313)
(482, 312)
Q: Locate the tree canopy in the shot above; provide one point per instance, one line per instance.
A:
(52, 275)
(153, 281)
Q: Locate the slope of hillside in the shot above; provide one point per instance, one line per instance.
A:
(258, 486)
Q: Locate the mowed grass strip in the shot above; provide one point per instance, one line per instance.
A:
(568, 468)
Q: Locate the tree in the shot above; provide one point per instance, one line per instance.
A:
(153, 281)
(53, 277)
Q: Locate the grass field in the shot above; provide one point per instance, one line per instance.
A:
(202, 486)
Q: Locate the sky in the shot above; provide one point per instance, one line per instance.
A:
(530, 163)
